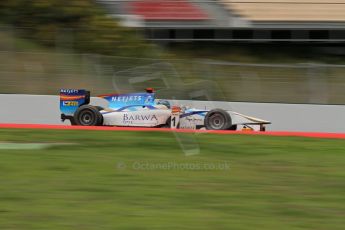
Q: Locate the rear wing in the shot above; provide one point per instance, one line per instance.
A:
(72, 99)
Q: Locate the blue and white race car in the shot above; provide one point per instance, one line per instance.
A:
(143, 110)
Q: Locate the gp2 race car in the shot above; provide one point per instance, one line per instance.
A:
(143, 110)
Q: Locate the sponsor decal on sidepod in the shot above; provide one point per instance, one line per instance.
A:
(128, 118)
(126, 98)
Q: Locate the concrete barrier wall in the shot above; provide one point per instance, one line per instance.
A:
(41, 109)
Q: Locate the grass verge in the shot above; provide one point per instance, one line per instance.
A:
(128, 180)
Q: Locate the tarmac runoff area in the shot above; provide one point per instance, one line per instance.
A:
(307, 118)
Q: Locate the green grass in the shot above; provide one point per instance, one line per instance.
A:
(95, 182)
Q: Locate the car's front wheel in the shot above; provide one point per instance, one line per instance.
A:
(218, 119)
(88, 115)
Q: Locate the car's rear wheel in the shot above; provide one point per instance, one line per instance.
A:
(233, 127)
(99, 108)
(218, 119)
(72, 120)
(88, 115)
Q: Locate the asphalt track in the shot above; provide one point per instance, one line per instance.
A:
(224, 132)
(44, 109)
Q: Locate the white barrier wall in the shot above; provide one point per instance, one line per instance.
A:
(41, 109)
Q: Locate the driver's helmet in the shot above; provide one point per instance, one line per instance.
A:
(164, 102)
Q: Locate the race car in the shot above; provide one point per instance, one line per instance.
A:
(143, 110)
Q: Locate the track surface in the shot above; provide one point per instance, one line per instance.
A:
(44, 109)
(106, 128)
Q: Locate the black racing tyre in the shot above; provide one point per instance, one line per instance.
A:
(218, 119)
(72, 120)
(88, 115)
(99, 108)
(233, 127)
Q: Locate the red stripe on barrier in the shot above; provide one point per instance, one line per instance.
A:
(109, 128)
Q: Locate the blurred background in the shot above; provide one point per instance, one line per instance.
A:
(287, 51)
